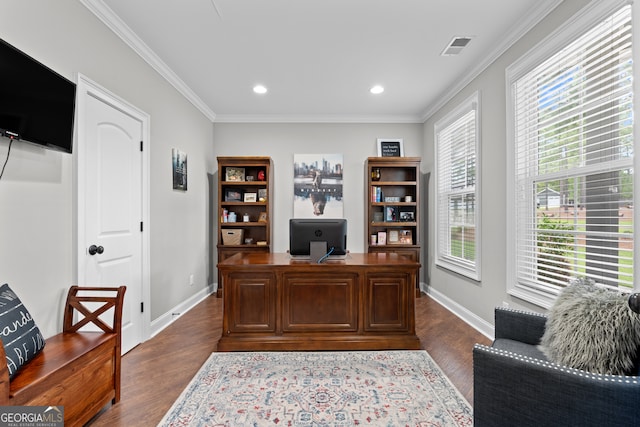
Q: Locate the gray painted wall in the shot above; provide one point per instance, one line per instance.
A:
(355, 142)
(480, 298)
(36, 192)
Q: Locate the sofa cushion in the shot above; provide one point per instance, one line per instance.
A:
(592, 328)
(19, 333)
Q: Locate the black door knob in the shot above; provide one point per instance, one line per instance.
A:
(93, 249)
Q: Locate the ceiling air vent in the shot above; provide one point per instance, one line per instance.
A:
(455, 46)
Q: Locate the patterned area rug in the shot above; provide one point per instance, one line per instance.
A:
(320, 389)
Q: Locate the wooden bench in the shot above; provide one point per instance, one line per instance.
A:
(79, 370)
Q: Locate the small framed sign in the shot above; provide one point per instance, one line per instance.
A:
(393, 236)
(390, 148)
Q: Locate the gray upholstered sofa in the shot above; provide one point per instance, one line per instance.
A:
(515, 384)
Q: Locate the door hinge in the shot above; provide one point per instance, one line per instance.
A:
(141, 226)
(142, 307)
(141, 145)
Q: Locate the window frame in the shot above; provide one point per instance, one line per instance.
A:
(581, 23)
(443, 258)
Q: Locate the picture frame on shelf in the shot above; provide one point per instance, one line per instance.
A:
(391, 213)
(393, 236)
(390, 147)
(262, 194)
(407, 216)
(234, 174)
(406, 237)
(382, 237)
(231, 195)
(262, 217)
(250, 197)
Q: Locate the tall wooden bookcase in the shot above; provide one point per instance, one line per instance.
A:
(393, 205)
(245, 188)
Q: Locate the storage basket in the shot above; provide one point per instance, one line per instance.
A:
(232, 236)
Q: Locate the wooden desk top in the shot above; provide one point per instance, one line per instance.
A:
(261, 259)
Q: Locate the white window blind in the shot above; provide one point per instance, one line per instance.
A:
(573, 161)
(458, 243)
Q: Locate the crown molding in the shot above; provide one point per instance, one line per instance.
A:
(302, 118)
(105, 14)
(522, 27)
(115, 24)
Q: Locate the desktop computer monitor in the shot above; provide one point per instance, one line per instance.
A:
(304, 231)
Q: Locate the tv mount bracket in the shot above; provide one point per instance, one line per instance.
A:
(9, 134)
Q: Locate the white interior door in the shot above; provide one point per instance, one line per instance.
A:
(111, 240)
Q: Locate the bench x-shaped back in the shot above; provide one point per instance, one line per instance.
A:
(78, 302)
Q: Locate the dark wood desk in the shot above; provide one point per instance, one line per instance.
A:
(365, 302)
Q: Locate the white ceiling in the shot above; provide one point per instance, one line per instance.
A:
(318, 58)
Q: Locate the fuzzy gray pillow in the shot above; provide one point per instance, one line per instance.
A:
(593, 329)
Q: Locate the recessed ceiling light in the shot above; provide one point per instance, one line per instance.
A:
(376, 90)
(260, 89)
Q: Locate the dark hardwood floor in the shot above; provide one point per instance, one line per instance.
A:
(156, 372)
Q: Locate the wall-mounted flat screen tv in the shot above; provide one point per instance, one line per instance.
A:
(37, 104)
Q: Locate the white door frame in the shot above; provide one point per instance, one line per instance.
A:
(85, 85)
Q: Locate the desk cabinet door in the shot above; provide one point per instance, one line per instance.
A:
(326, 302)
(250, 303)
(389, 303)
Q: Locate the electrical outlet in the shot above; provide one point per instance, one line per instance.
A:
(191, 282)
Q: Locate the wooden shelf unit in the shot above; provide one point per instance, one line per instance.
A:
(398, 178)
(231, 197)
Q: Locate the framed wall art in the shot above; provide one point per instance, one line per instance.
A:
(179, 166)
(317, 185)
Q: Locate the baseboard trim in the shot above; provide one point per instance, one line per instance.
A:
(479, 324)
(169, 317)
